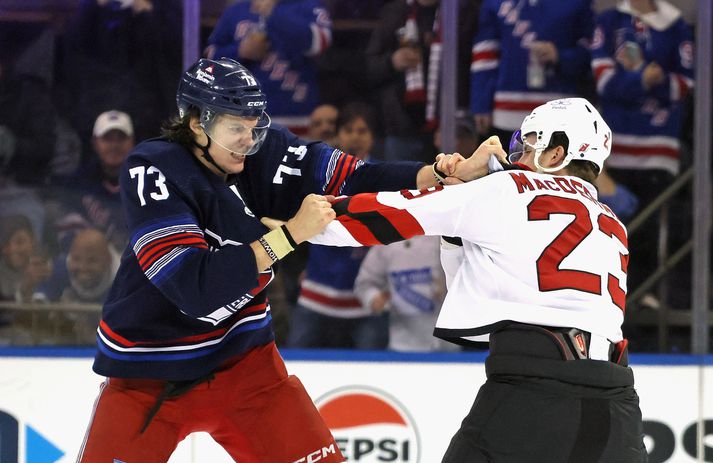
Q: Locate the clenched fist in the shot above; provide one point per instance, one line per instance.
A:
(314, 215)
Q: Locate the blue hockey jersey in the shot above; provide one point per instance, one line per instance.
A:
(506, 29)
(645, 123)
(298, 30)
(187, 295)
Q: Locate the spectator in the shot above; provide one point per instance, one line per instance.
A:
(395, 57)
(403, 63)
(93, 197)
(22, 268)
(323, 124)
(526, 53)
(123, 55)
(642, 56)
(405, 279)
(328, 313)
(277, 41)
(85, 273)
(27, 124)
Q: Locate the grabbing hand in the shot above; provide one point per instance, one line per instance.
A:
(461, 170)
(314, 215)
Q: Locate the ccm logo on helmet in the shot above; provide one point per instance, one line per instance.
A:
(256, 103)
(317, 455)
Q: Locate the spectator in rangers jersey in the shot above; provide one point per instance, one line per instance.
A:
(642, 57)
(328, 312)
(541, 273)
(187, 320)
(525, 53)
(277, 41)
(91, 195)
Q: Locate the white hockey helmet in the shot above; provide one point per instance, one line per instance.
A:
(589, 136)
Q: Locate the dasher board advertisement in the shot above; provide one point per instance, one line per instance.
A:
(380, 407)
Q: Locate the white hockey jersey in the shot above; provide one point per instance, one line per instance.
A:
(537, 248)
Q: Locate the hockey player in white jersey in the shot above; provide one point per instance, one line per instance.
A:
(541, 274)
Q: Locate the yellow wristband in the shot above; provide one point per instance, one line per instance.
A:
(278, 242)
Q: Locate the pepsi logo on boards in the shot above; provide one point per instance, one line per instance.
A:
(369, 425)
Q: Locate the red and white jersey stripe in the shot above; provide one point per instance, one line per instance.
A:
(486, 56)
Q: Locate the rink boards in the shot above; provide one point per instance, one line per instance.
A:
(381, 406)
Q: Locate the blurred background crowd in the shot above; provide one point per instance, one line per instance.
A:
(84, 81)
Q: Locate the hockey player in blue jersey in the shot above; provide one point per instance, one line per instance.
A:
(185, 337)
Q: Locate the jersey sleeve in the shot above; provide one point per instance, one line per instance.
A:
(170, 247)
(290, 168)
(612, 80)
(223, 42)
(681, 77)
(331, 171)
(467, 211)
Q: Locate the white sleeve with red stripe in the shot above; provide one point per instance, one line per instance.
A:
(381, 218)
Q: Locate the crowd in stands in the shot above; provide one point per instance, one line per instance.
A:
(372, 91)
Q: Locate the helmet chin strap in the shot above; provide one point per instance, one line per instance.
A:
(206, 155)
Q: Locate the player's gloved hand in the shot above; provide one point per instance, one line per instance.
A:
(313, 216)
